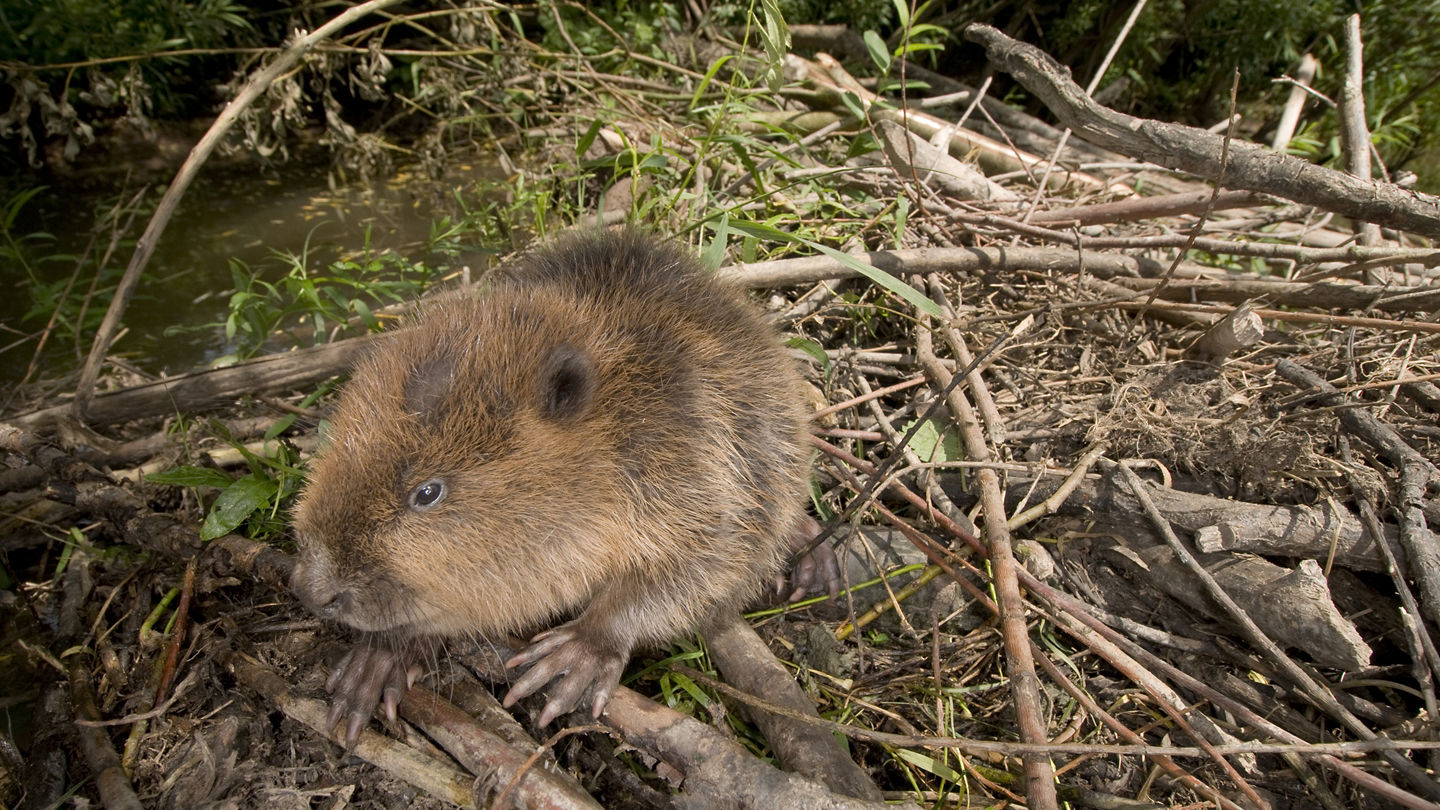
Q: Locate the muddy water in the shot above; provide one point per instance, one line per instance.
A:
(235, 215)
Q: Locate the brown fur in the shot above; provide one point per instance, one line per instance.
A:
(620, 439)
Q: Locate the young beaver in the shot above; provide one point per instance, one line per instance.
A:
(606, 433)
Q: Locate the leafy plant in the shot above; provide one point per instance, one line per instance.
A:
(255, 500)
(316, 307)
(71, 303)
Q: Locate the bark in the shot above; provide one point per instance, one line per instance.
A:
(1293, 607)
(1199, 152)
(210, 388)
(811, 751)
(718, 773)
(400, 761)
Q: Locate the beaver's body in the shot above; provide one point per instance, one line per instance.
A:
(605, 434)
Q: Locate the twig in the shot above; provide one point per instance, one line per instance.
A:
(1019, 663)
(177, 633)
(1294, 105)
(1089, 91)
(116, 792)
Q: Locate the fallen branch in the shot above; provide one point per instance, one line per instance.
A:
(399, 760)
(1197, 151)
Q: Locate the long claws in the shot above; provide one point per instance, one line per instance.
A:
(368, 677)
(574, 665)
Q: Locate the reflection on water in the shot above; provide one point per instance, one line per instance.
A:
(225, 215)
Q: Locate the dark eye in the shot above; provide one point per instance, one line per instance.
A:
(427, 495)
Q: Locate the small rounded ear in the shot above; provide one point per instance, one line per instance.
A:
(568, 383)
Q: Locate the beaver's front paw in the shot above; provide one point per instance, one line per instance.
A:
(373, 671)
(583, 663)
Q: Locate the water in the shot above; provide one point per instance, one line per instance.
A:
(231, 213)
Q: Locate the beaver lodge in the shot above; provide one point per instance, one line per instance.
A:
(1125, 435)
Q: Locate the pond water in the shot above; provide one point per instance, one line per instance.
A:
(227, 214)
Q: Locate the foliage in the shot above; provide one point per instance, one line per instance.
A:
(42, 32)
(254, 500)
(36, 33)
(317, 307)
(861, 15)
(73, 303)
(596, 29)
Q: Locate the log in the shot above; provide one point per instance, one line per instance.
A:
(1291, 606)
(211, 387)
(1203, 153)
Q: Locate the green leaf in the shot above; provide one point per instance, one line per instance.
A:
(933, 444)
(811, 348)
(776, 36)
(366, 316)
(852, 104)
(588, 138)
(929, 763)
(902, 14)
(252, 492)
(281, 425)
(714, 252)
(879, 53)
(913, 296)
(189, 475)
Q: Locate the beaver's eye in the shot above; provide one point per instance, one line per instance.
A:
(425, 496)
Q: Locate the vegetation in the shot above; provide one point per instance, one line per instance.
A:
(168, 54)
(622, 110)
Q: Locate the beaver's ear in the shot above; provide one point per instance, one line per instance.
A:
(567, 383)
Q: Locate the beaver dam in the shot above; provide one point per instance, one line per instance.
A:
(1127, 448)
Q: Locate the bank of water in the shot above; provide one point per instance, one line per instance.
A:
(229, 216)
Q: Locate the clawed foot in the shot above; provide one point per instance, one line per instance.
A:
(582, 664)
(818, 570)
(371, 673)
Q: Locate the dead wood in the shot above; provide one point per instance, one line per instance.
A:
(1277, 293)
(1223, 524)
(129, 454)
(749, 665)
(1422, 551)
(1354, 134)
(1019, 659)
(430, 774)
(1237, 331)
(210, 388)
(114, 784)
(718, 773)
(1142, 208)
(1357, 420)
(913, 158)
(1292, 606)
(831, 79)
(998, 260)
(1415, 776)
(497, 761)
(1198, 151)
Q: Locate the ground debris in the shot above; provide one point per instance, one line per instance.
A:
(1069, 312)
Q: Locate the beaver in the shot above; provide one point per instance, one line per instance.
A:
(604, 434)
